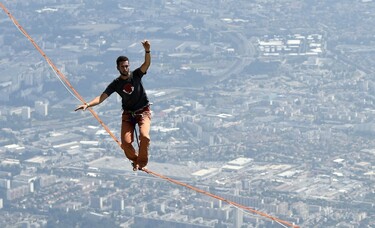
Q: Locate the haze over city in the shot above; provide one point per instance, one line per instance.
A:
(265, 103)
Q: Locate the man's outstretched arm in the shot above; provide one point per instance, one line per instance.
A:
(97, 100)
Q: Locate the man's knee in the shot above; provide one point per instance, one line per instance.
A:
(144, 139)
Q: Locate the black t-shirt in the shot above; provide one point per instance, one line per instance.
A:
(131, 90)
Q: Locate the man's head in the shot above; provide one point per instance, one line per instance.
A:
(123, 65)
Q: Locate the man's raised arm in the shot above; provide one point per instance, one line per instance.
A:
(147, 62)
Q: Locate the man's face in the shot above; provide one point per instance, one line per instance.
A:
(123, 68)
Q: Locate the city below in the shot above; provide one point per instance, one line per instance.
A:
(267, 104)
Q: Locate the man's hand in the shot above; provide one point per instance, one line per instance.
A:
(146, 45)
(83, 107)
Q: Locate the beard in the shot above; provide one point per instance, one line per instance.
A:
(125, 73)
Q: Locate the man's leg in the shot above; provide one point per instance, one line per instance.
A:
(127, 137)
(144, 138)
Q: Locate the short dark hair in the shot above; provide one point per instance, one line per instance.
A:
(121, 59)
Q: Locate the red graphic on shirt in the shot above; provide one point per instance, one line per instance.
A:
(128, 88)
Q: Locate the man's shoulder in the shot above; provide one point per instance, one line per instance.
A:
(114, 83)
(116, 80)
(138, 72)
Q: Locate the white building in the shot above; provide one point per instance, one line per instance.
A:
(26, 113)
(41, 108)
(237, 164)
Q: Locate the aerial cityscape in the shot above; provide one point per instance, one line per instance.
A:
(266, 103)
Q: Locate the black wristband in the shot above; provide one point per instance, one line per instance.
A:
(148, 51)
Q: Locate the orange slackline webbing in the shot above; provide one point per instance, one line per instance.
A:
(222, 199)
(59, 73)
(62, 76)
